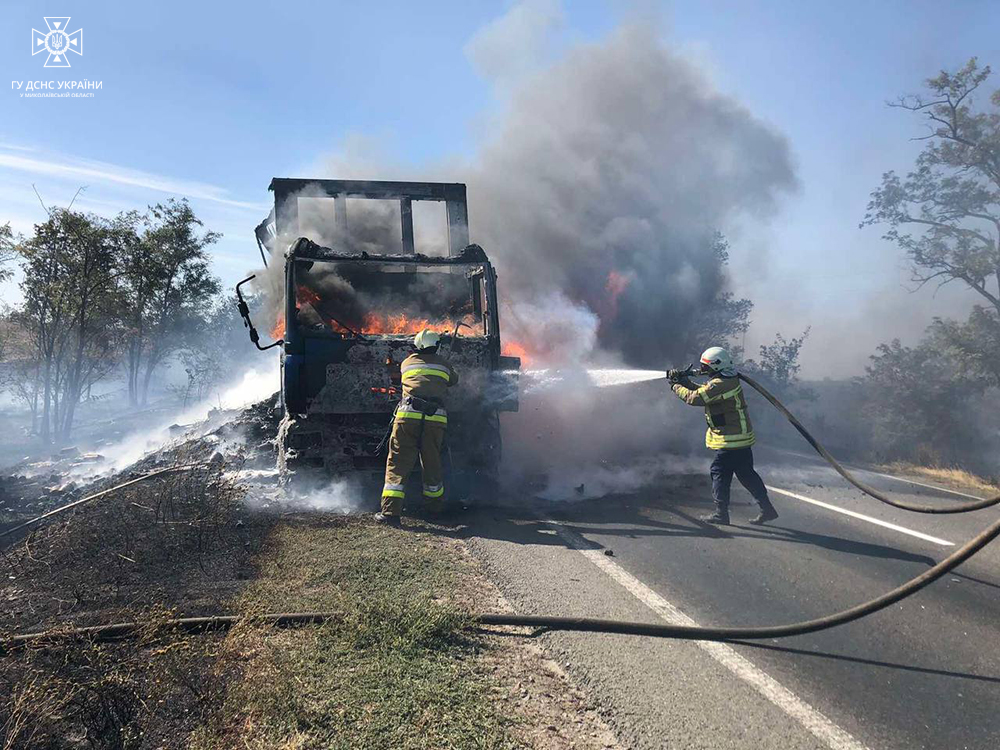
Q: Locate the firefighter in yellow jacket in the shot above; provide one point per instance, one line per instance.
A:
(729, 434)
(418, 428)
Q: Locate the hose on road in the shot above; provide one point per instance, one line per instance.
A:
(870, 491)
(912, 586)
(119, 631)
(700, 633)
(585, 624)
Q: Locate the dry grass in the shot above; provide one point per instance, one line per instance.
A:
(146, 693)
(178, 540)
(954, 478)
(398, 671)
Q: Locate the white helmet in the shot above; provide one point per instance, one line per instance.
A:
(717, 359)
(427, 339)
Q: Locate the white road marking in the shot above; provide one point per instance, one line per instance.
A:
(922, 484)
(858, 469)
(863, 517)
(831, 735)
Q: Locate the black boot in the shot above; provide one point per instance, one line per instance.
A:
(719, 518)
(387, 520)
(767, 513)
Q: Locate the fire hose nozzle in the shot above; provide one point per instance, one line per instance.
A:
(675, 375)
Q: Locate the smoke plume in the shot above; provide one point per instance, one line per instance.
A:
(603, 183)
(597, 191)
(598, 194)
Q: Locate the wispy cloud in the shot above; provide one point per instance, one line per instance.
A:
(15, 147)
(66, 167)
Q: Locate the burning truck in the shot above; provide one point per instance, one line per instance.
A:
(347, 321)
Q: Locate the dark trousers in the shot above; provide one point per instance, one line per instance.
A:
(738, 461)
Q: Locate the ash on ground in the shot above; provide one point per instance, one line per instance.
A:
(243, 440)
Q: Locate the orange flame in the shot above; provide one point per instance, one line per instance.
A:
(515, 349)
(395, 324)
(305, 294)
(373, 322)
(616, 284)
(399, 324)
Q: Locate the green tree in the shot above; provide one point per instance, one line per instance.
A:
(779, 361)
(139, 274)
(168, 287)
(727, 317)
(70, 310)
(8, 251)
(945, 213)
(46, 309)
(973, 345)
(19, 375)
(917, 406)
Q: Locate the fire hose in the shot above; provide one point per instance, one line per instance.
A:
(598, 625)
(89, 498)
(190, 625)
(870, 491)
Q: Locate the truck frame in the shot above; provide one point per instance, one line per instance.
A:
(348, 320)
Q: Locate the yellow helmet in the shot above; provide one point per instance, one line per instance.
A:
(427, 339)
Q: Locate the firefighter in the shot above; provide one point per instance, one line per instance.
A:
(729, 433)
(418, 428)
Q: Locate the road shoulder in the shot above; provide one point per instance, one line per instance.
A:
(654, 693)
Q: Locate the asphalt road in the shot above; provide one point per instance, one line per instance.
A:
(922, 674)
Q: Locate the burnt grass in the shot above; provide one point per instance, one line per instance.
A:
(52, 478)
(181, 544)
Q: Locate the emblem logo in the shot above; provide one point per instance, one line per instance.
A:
(57, 42)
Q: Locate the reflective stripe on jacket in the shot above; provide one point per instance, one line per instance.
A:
(725, 411)
(408, 410)
(425, 376)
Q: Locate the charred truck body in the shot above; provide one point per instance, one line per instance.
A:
(348, 321)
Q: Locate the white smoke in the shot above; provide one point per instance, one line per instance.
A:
(600, 480)
(341, 496)
(254, 385)
(553, 328)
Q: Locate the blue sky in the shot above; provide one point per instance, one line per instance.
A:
(210, 100)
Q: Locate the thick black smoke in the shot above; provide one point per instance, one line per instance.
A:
(598, 193)
(602, 187)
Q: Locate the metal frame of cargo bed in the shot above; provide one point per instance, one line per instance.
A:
(288, 190)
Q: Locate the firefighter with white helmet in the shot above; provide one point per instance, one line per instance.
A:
(729, 434)
(418, 427)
